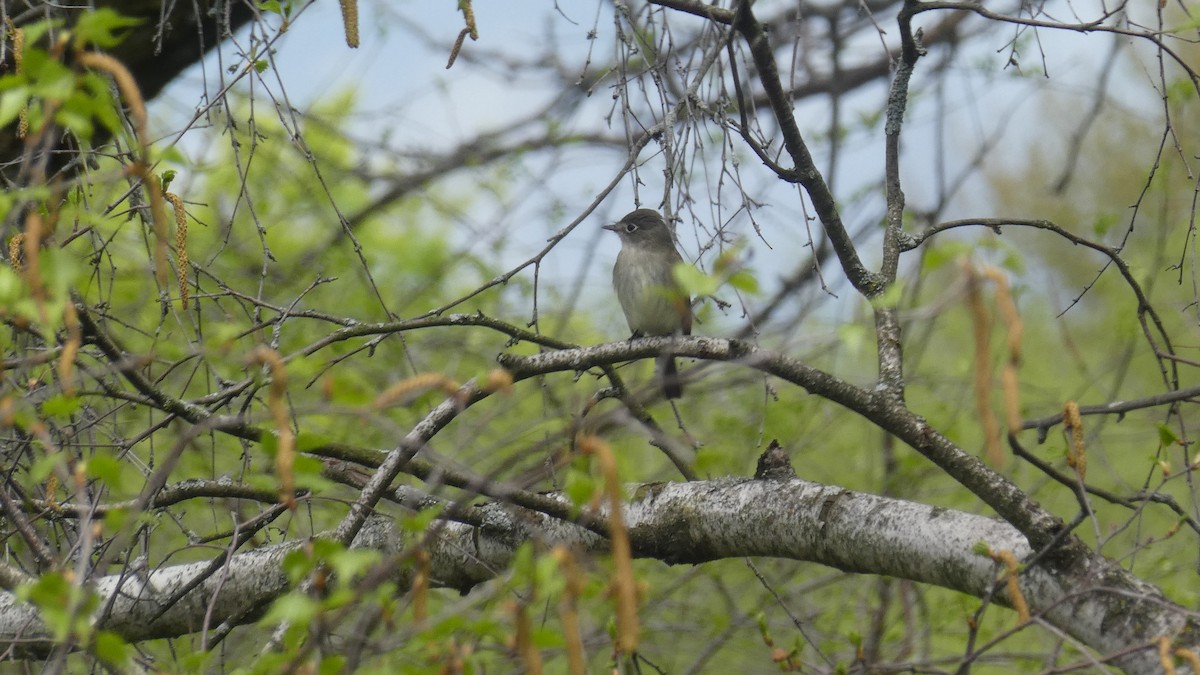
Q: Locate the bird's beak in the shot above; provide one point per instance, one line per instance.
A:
(611, 227)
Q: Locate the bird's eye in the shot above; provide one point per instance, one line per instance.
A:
(631, 227)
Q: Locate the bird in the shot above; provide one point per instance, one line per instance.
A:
(651, 298)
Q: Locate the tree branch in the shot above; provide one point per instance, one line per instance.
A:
(882, 410)
(1099, 604)
(806, 172)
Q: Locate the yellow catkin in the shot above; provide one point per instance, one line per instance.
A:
(1192, 658)
(50, 489)
(624, 585)
(469, 16)
(350, 22)
(499, 379)
(137, 111)
(17, 36)
(127, 85)
(572, 633)
(420, 587)
(407, 389)
(471, 29)
(31, 246)
(181, 252)
(982, 327)
(1076, 452)
(1164, 655)
(285, 458)
(1015, 332)
(523, 643)
(15, 245)
(66, 362)
(158, 216)
(1012, 571)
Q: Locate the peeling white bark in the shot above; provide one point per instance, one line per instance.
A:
(1097, 603)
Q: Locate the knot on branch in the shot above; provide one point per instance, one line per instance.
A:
(774, 464)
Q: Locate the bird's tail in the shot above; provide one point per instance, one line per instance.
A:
(668, 377)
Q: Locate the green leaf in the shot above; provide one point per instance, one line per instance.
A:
(853, 337)
(60, 270)
(283, 9)
(112, 649)
(306, 442)
(579, 487)
(307, 467)
(418, 522)
(308, 473)
(693, 281)
(51, 593)
(115, 520)
(325, 550)
(43, 466)
(105, 469)
(96, 99)
(61, 406)
(12, 102)
(890, 298)
(349, 565)
(855, 638)
(709, 461)
(522, 562)
(1104, 222)
(1166, 436)
(943, 253)
(50, 587)
(294, 608)
(332, 665)
(11, 287)
(34, 32)
(49, 78)
(297, 565)
(192, 662)
(66, 608)
(80, 124)
(744, 281)
(104, 28)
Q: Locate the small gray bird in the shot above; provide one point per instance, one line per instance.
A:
(653, 302)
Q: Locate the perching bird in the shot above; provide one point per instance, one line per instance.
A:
(654, 304)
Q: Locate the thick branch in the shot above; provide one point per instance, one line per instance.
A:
(1098, 603)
